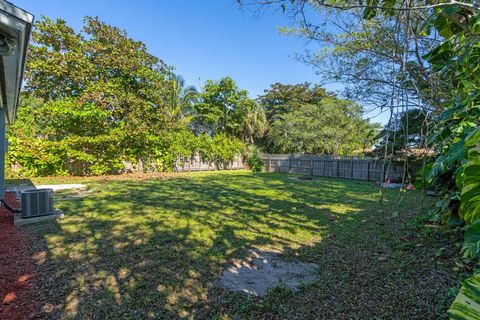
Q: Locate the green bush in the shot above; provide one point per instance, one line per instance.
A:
(224, 149)
(254, 160)
(33, 154)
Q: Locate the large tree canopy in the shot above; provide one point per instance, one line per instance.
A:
(96, 98)
(281, 98)
(225, 108)
(99, 65)
(307, 119)
(332, 126)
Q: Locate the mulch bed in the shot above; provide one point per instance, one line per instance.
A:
(17, 270)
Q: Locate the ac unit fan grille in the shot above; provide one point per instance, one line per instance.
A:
(37, 203)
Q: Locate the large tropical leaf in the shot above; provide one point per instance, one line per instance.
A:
(471, 244)
(467, 303)
(470, 198)
(446, 161)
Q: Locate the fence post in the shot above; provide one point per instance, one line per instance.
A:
(368, 171)
(311, 167)
(384, 176)
(351, 169)
(337, 161)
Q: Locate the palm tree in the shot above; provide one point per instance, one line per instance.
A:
(180, 99)
(254, 123)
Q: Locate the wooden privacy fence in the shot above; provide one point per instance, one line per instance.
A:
(195, 163)
(347, 168)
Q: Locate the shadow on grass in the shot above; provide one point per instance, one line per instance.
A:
(154, 248)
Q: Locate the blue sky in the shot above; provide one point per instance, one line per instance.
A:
(201, 39)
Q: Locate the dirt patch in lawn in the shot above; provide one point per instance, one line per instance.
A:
(261, 270)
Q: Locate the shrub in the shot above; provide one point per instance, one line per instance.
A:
(254, 160)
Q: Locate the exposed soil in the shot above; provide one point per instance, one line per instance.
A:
(17, 272)
(261, 271)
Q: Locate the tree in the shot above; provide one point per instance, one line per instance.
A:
(254, 123)
(60, 137)
(225, 108)
(369, 56)
(281, 99)
(98, 65)
(97, 98)
(100, 100)
(407, 130)
(180, 99)
(332, 126)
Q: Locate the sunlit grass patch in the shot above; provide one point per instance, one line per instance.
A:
(155, 247)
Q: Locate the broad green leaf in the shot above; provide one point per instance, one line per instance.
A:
(450, 112)
(449, 10)
(467, 303)
(427, 26)
(471, 245)
(387, 7)
(470, 200)
(446, 161)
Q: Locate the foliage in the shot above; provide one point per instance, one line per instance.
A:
(225, 108)
(221, 149)
(467, 303)
(253, 124)
(332, 126)
(61, 137)
(406, 131)
(97, 99)
(254, 159)
(94, 99)
(470, 184)
(369, 56)
(281, 99)
(471, 245)
(98, 65)
(180, 99)
(457, 135)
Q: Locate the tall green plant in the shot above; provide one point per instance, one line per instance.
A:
(467, 303)
(179, 99)
(469, 182)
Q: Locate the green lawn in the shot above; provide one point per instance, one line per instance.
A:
(153, 248)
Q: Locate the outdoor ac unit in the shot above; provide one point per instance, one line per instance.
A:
(37, 202)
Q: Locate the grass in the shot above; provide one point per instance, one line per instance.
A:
(154, 247)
